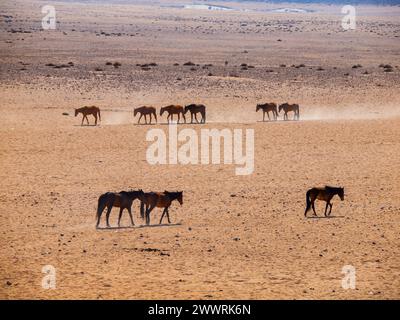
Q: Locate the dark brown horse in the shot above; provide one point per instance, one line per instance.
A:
(194, 110)
(288, 108)
(160, 200)
(173, 109)
(122, 200)
(266, 108)
(88, 111)
(144, 111)
(326, 194)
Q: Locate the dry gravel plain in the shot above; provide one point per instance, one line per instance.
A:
(234, 237)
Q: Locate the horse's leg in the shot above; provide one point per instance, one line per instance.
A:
(141, 115)
(95, 119)
(326, 208)
(269, 119)
(145, 118)
(263, 115)
(120, 215)
(83, 118)
(179, 117)
(195, 116)
(108, 215)
(148, 211)
(330, 210)
(147, 214)
(130, 215)
(162, 216)
(168, 117)
(150, 118)
(313, 206)
(87, 119)
(168, 215)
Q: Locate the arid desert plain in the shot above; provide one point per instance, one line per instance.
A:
(235, 236)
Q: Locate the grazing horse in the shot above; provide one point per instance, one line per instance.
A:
(173, 109)
(87, 111)
(194, 110)
(326, 194)
(266, 108)
(122, 200)
(144, 111)
(160, 200)
(290, 107)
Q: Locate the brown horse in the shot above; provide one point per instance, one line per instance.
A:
(122, 200)
(288, 108)
(87, 111)
(173, 109)
(326, 194)
(266, 108)
(194, 110)
(160, 200)
(144, 111)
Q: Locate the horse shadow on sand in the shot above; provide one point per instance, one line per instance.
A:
(141, 226)
(327, 217)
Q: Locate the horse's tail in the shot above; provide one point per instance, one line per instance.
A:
(98, 111)
(142, 209)
(100, 207)
(308, 202)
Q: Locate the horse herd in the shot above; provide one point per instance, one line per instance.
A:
(148, 201)
(194, 109)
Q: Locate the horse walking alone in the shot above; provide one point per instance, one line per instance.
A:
(93, 110)
(290, 108)
(122, 200)
(326, 194)
(266, 108)
(194, 110)
(171, 110)
(144, 111)
(160, 200)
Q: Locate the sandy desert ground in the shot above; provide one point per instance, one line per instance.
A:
(235, 237)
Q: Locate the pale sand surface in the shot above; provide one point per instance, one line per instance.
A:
(235, 237)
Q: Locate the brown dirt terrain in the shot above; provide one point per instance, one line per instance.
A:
(235, 237)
